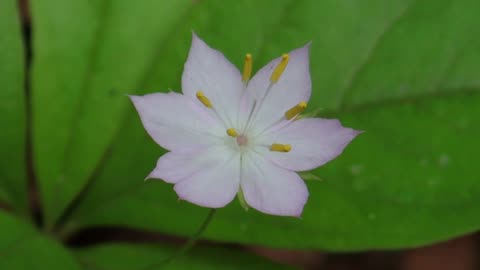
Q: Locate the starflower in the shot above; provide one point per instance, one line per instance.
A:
(228, 134)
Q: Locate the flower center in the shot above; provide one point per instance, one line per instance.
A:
(242, 140)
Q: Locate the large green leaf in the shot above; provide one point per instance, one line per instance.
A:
(133, 257)
(407, 72)
(23, 248)
(12, 108)
(88, 55)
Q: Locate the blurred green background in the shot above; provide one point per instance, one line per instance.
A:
(73, 153)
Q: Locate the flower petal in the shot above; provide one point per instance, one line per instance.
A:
(208, 70)
(314, 142)
(271, 189)
(293, 87)
(177, 165)
(213, 186)
(175, 121)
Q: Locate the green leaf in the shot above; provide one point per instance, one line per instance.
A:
(88, 56)
(133, 257)
(406, 72)
(21, 247)
(3, 195)
(12, 109)
(309, 176)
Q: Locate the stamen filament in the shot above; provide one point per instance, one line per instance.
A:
(204, 100)
(273, 79)
(278, 71)
(232, 132)
(277, 147)
(250, 116)
(255, 108)
(295, 110)
(247, 68)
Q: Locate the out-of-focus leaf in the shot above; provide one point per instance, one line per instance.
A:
(12, 109)
(407, 72)
(134, 257)
(88, 55)
(3, 195)
(12, 230)
(22, 248)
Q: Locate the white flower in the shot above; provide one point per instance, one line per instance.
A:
(227, 133)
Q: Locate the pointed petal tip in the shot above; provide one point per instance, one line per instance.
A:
(350, 135)
(153, 176)
(150, 176)
(355, 133)
(358, 132)
(339, 124)
(196, 40)
(134, 98)
(136, 101)
(307, 46)
(194, 34)
(303, 51)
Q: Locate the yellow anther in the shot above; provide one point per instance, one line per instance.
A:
(280, 147)
(204, 100)
(295, 110)
(247, 68)
(232, 132)
(278, 71)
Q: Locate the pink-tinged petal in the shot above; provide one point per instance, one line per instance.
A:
(208, 70)
(314, 142)
(214, 186)
(175, 166)
(175, 121)
(271, 189)
(293, 87)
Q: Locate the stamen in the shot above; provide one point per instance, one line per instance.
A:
(232, 132)
(279, 69)
(280, 147)
(204, 100)
(247, 68)
(297, 109)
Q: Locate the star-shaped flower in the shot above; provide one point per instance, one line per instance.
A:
(227, 134)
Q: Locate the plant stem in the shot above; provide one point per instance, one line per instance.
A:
(188, 245)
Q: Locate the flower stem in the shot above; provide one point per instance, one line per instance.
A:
(187, 246)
